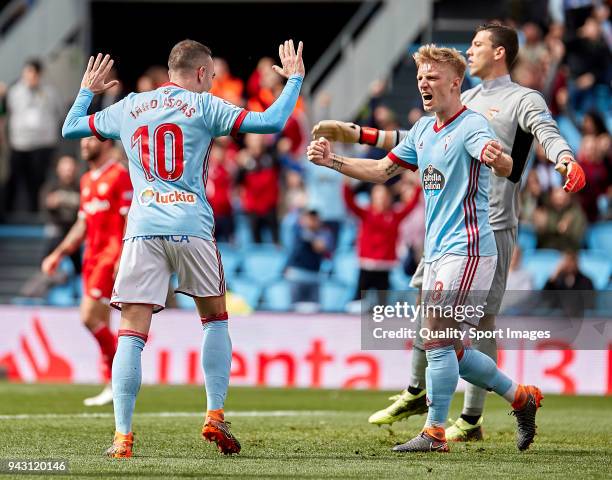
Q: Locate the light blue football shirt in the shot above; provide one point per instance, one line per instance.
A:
(167, 135)
(455, 183)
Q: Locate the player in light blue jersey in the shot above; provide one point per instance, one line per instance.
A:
(454, 151)
(167, 134)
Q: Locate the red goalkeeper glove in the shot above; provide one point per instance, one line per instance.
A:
(575, 179)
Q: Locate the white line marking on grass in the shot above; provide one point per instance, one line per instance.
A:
(246, 413)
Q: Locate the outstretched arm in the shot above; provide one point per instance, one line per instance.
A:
(77, 123)
(346, 132)
(276, 115)
(534, 117)
(376, 171)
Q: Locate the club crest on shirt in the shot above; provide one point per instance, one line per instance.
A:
(433, 180)
(492, 113)
(420, 146)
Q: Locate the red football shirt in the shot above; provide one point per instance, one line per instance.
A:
(106, 195)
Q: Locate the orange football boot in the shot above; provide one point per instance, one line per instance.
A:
(122, 446)
(216, 430)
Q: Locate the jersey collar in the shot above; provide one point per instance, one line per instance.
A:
(496, 82)
(435, 124)
(170, 84)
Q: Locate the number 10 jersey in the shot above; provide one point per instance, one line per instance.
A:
(167, 135)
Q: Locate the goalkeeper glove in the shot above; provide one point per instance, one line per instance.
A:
(575, 179)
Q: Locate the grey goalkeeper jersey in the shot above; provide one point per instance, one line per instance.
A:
(516, 115)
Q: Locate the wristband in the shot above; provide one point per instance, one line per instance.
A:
(368, 135)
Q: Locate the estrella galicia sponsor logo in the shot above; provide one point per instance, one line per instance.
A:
(149, 196)
(433, 180)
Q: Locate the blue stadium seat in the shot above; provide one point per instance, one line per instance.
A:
(334, 296)
(62, 296)
(242, 231)
(599, 236)
(346, 268)
(569, 132)
(245, 287)
(277, 297)
(231, 259)
(527, 239)
(263, 265)
(287, 230)
(541, 264)
(346, 237)
(596, 265)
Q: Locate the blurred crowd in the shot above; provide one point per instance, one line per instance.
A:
(262, 188)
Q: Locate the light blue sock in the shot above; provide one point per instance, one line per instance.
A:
(216, 362)
(442, 375)
(480, 370)
(127, 375)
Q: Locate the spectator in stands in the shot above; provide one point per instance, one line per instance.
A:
(158, 74)
(560, 223)
(378, 234)
(60, 199)
(312, 244)
(254, 81)
(591, 157)
(593, 124)
(293, 192)
(568, 277)
(414, 115)
(533, 48)
(35, 111)
(531, 197)
(589, 59)
(144, 84)
(219, 193)
(225, 85)
(324, 187)
(258, 177)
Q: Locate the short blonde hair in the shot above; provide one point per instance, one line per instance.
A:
(430, 53)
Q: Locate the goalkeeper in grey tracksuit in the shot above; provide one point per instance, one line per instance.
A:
(517, 115)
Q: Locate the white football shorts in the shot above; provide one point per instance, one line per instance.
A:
(148, 262)
(457, 282)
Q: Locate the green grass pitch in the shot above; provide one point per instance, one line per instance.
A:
(294, 434)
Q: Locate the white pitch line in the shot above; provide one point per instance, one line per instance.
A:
(246, 413)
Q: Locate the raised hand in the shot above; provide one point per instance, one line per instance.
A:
(291, 61)
(96, 72)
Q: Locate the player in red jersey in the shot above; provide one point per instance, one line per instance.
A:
(106, 194)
